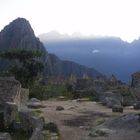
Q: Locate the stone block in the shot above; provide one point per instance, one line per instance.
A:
(10, 113)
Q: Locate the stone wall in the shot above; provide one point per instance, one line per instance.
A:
(9, 90)
(135, 84)
(136, 80)
(24, 97)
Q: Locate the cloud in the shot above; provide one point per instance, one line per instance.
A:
(95, 51)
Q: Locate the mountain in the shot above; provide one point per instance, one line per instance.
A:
(54, 35)
(19, 34)
(109, 55)
(68, 67)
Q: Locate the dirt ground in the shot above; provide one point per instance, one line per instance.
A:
(77, 120)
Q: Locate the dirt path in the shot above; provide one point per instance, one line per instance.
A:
(77, 118)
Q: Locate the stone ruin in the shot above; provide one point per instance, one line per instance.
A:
(14, 111)
(12, 99)
(135, 84)
(135, 88)
(98, 84)
(11, 91)
(99, 89)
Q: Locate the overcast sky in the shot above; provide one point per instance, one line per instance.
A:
(98, 17)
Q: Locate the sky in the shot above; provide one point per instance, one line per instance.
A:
(120, 18)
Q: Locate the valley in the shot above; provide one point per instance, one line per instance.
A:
(108, 55)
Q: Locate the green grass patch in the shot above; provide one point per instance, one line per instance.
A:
(20, 135)
(94, 98)
(44, 92)
(37, 113)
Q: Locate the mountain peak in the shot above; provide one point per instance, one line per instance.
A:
(20, 26)
(18, 33)
(20, 20)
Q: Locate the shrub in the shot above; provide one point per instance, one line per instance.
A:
(94, 98)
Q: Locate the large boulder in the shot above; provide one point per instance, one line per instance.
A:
(37, 135)
(117, 108)
(110, 99)
(110, 102)
(34, 103)
(31, 119)
(127, 121)
(101, 132)
(10, 113)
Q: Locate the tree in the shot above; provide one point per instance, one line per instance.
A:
(26, 66)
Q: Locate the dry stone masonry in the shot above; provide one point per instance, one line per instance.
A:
(14, 111)
(9, 90)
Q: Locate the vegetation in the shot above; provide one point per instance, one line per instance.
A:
(44, 92)
(125, 92)
(17, 134)
(94, 98)
(20, 135)
(26, 65)
(37, 113)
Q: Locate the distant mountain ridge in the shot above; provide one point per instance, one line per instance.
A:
(56, 36)
(63, 67)
(19, 34)
(109, 55)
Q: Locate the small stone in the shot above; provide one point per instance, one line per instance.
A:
(59, 108)
(81, 127)
(62, 98)
(117, 108)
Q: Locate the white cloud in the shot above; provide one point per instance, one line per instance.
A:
(95, 51)
(99, 17)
